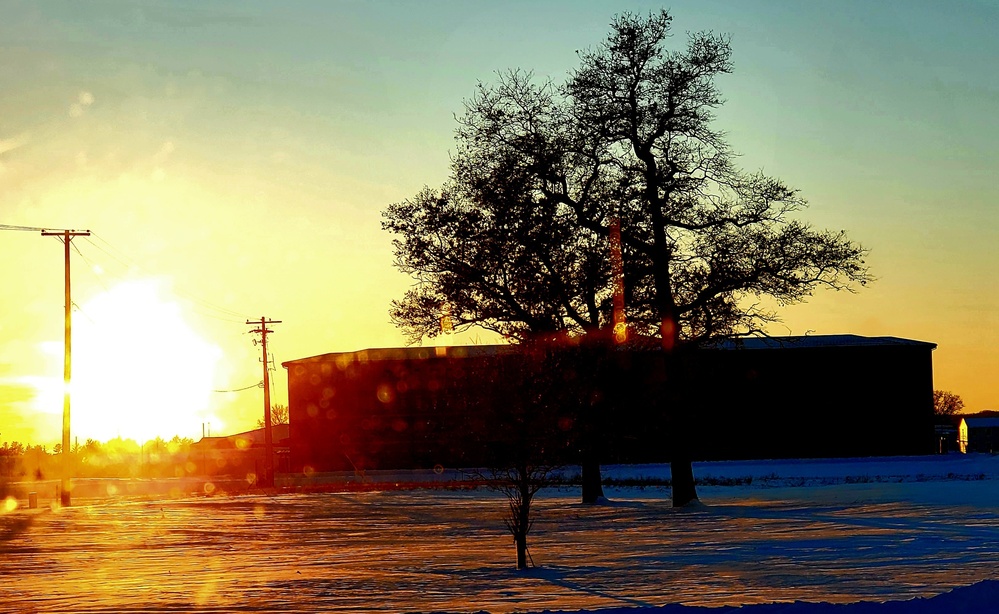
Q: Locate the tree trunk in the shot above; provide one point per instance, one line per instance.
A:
(522, 520)
(521, 539)
(596, 380)
(593, 490)
(679, 379)
(682, 480)
(675, 354)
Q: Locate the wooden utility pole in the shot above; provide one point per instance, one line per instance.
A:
(65, 487)
(267, 479)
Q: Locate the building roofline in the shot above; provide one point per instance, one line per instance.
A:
(743, 343)
(982, 421)
(247, 434)
(819, 341)
(409, 353)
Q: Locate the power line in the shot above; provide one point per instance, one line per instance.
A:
(259, 384)
(24, 228)
(109, 254)
(181, 291)
(127, 263)
(220, 313)
(123, 260)
(90, 266)
(227, 315)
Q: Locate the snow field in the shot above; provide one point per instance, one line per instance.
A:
(873, 530)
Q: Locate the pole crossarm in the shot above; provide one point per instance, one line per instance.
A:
(65, 233)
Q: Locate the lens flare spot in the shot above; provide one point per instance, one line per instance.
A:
(385, 393)
(209, 488)
(620, 332)
(9, 504)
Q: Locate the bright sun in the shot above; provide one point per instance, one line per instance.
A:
(139, 370)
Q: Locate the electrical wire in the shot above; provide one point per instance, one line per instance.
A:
(259, 384)
(90, 266)
(106, 252)
(120, 278)
(24, 228)
(227, 315)
(271, 380)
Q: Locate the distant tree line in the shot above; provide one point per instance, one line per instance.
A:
(121, 458)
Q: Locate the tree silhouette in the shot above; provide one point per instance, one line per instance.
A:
(279, 415)
(947, 403)
(518, 239)
(498, 257)
(532, 436)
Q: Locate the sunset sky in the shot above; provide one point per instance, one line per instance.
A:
(233, 158)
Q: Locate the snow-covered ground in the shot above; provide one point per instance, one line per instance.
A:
(914, 534)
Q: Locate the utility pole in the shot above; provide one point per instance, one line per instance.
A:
(262, 330)
(65, 487)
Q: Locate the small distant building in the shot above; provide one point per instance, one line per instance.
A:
(241, 454)
(982, 433)
(951, 433)
(778, 397)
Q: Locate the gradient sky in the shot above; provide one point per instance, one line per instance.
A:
(233, 160)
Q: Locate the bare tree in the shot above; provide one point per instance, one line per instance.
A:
(279, 415)
(501, 259)
(528, 397)
(947, 403)
(628, 140)
(520, 483)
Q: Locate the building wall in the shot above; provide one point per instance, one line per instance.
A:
(416, 409)
(818, 402)
(241, 454)
(983, 439)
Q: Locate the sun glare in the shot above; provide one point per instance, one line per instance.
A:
(139, 370)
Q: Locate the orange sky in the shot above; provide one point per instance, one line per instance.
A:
(233, 160)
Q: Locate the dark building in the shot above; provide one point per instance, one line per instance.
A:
(784, 397)
(982, 432)
(951, 433)
(241, 454)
